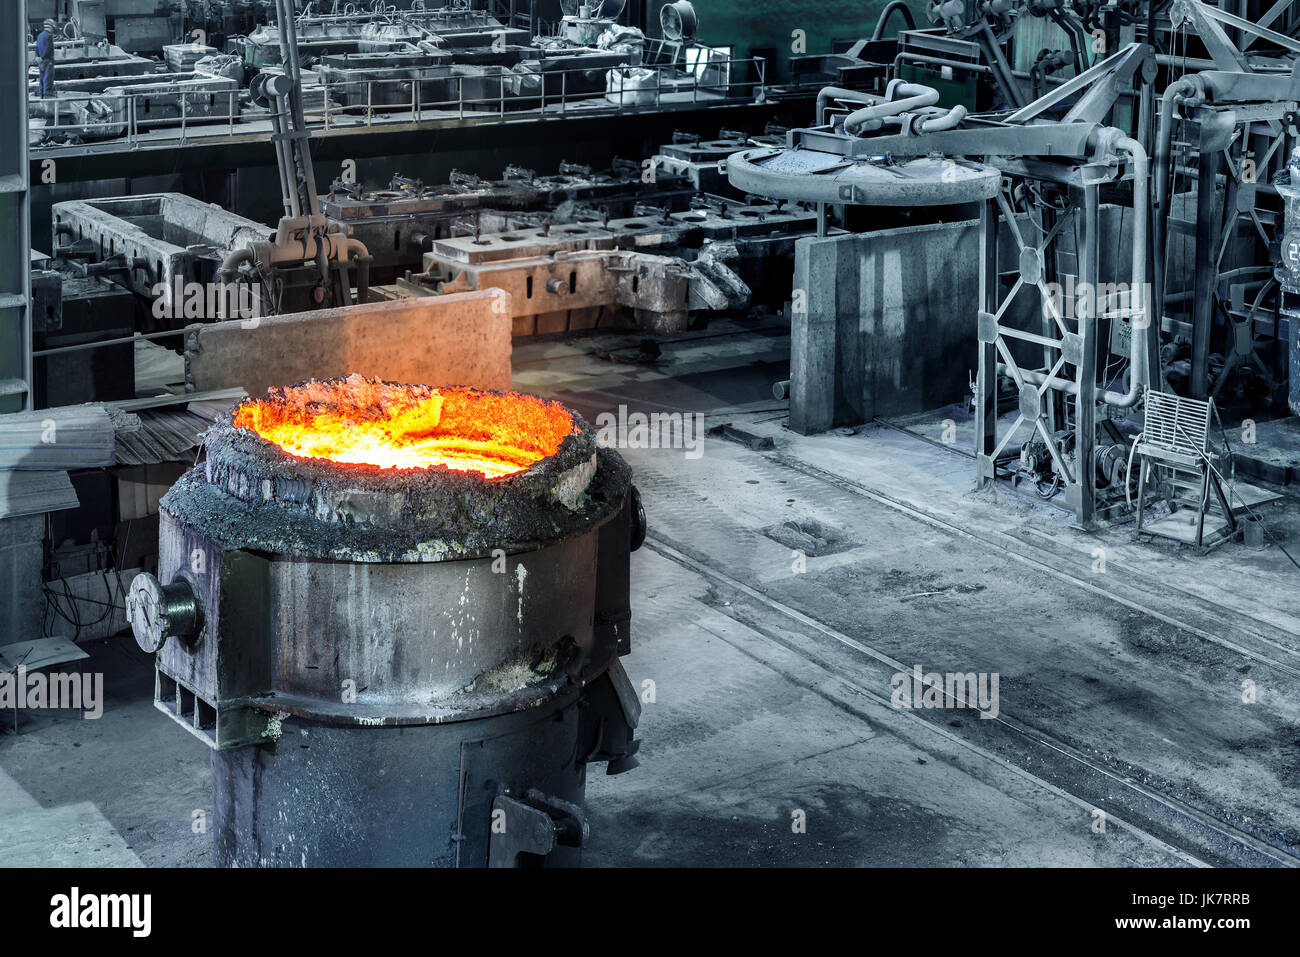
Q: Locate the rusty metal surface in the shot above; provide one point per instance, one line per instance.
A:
(523, 243)
(175, 238)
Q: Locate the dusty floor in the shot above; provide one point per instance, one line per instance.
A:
(778, 594)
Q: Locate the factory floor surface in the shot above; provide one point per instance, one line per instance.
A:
(1145, 712)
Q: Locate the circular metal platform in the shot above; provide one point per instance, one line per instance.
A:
(805, 175)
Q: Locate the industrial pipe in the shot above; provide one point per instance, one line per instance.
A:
(894, 6)
(1050, 79)
(1138, 377)
(829, 92)
(948, 121)
(914, 97)
(283, 161)
(230, 265)
(358, 253)
(295, 123)
(1185, 88)
(354, 247)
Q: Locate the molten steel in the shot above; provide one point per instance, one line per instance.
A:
(363, 421)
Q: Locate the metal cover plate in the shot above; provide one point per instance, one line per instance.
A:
(815, 176)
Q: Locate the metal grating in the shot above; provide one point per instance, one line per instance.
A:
(1177, 423)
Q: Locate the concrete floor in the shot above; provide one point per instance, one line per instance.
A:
(1120, 690)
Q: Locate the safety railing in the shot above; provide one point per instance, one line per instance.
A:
(93, 117)
(412, 95)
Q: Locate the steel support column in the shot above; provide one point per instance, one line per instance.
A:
(986, 384)
(1209, 230)
(1085, 408)
(15, 256)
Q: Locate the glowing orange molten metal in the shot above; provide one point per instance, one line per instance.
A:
(365, 421)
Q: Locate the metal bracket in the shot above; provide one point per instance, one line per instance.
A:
(1097, 87)
(536, 825)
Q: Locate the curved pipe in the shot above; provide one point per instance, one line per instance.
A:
(1180, 90)
(341, 247)
(234, 259)
(948, 121)
(362, 261)
(832, 92)
(914, 97)
(1138, 360)
(895, 6)
(1174, 94)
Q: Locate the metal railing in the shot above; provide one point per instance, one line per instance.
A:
(415, 97)
(119, 116)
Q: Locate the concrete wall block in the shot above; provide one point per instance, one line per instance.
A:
(888, 326)
(22, 530)
(815, 353)
(889, 321)
(461, 339)
(22, 603)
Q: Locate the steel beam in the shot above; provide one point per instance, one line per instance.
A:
(1208, 234)
(986, 383)
(1085, 407)
(15, 258)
